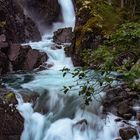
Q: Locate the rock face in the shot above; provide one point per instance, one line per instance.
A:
(63, 35)
(3, 63)
(86, 34)
(44, 12)
(11, 121)
(17, 27)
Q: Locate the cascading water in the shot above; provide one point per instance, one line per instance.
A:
(65, 118)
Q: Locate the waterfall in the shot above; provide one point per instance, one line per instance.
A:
(65, 117)
(67, 12)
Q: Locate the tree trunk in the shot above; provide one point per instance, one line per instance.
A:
(122, 3)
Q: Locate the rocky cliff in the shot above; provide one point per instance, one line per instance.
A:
(43, 12)
(16, 26)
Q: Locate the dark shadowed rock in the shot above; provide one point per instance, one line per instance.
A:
(68, 50)
(17, 55)
(29, 96)
(44, 12)
(25, 58)
(124, 108)
(4, 63)
(4, 46)
(34, 59)
(55, 47)
(63, 35)
(11, 121)
(118, 139)
(128, 133)
(44, 66)
(14, 57)
(17, 28)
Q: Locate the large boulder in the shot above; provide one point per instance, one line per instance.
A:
(14, 57)
(128, 133)
(11, 121)
(17, 55)
(17, 27)
(63, 35)
(124, 108)
(25, 58)
(34, 59)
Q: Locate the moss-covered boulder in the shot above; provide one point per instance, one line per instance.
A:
(95, 21)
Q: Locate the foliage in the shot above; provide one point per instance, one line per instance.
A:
(119, 53)
(125, 42)
(127, 35)
(119, 27)
(97, 14)
(90, 82)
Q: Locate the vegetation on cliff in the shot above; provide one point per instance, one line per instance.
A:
(107, 38)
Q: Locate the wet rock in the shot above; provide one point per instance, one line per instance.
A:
(128, 133)
(34, 59)
(58, 46)
(82, 121)
(42, 105)
(16, 51)
(63, 35)
(55, 47)
(29, 96)
(118, 119)
(82, 125)
(11, 121)
(25, 58)
(45, 66)
(127, 116)
(17, 55)
(123, 108)
(118, 139)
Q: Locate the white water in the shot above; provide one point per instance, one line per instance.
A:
(63, 111)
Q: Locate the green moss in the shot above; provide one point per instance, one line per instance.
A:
(9, 96)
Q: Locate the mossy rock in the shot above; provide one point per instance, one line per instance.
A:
(10, 97)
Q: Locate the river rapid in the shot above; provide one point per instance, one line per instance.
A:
(65, 117)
